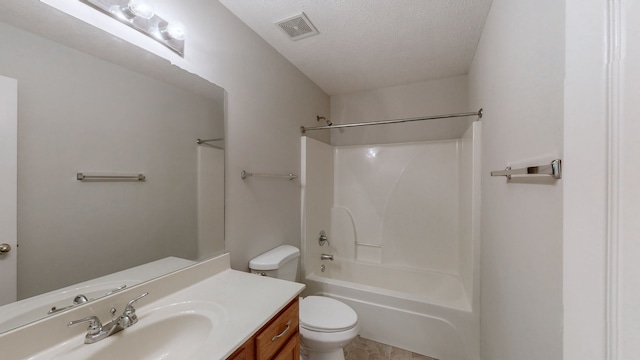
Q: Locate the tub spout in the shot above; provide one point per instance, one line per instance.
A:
(326, 257)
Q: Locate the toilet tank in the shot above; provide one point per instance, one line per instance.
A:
(281, 263)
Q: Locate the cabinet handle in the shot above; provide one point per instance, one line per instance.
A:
(282, 333)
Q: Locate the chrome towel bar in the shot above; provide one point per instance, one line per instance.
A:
(119, 177)
(201, 141)
(554, 170)
(290, 176)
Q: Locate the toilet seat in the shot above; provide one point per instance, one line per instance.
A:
(323, 314)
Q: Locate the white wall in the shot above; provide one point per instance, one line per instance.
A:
(585, 182)
(629, 173)
(517, 77)
(435, 97)
(268, 99)
(601, 286)
(92, 116)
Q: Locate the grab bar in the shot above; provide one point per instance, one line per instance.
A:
(554, 170)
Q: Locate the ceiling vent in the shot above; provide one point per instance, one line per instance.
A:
(297, 27)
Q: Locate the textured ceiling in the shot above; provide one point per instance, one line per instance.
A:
(367, 44)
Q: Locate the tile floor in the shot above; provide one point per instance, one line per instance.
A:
(365, 349)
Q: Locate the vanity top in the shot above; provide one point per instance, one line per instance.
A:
(249, 301)
(239, 302)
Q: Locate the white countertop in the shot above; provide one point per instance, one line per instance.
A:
(243, 301)
(249, 302)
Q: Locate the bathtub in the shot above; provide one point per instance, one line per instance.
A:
(421, 311)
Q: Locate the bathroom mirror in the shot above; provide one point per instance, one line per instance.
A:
(119, 111)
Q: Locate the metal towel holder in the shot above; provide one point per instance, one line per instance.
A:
(110, 177)
(554, 170)
(246, 174)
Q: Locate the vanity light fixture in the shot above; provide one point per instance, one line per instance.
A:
(175, 30)
(139, 8)
(140, 15)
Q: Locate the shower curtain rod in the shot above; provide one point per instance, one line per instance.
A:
(395, 121)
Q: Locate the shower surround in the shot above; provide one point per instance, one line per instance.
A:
(403, 225)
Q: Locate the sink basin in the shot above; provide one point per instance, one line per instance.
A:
(176, 337)
(179, 331)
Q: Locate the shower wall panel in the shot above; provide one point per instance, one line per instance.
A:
(317, 199)
(469, 240)
(402, 201)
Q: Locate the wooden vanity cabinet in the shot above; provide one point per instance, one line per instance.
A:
(291, 350)
(279, 339)
(245, 352)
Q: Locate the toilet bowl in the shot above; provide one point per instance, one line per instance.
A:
(326, 324)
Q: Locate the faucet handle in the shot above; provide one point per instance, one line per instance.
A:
(129, 316)
(322, 238)
(130, 303)
(95, 326)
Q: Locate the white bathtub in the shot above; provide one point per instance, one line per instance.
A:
(424, 312)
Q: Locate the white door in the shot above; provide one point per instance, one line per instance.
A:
(8, 189)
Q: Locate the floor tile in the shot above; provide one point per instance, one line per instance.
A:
(365, 349)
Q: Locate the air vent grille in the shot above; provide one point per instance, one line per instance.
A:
(297, 27)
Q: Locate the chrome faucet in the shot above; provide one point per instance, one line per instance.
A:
(80, 299)
(322, 238)
(97, 331)
(326, 257)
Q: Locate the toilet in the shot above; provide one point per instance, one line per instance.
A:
(326, 324)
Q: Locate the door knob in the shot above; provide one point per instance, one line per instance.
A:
(5, 248)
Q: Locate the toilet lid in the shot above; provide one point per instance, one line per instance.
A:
(321, 313)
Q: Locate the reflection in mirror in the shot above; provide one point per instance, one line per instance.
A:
(79, 113)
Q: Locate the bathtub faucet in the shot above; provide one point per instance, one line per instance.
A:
(326, 257)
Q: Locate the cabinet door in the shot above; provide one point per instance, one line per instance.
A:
(274, 336)
(291, 351)
(245, 352)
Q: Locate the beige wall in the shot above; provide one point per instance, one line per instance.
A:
(268, 99)
(517, 76)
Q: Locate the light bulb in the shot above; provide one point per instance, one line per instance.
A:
(173, 30)
(141, 9)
